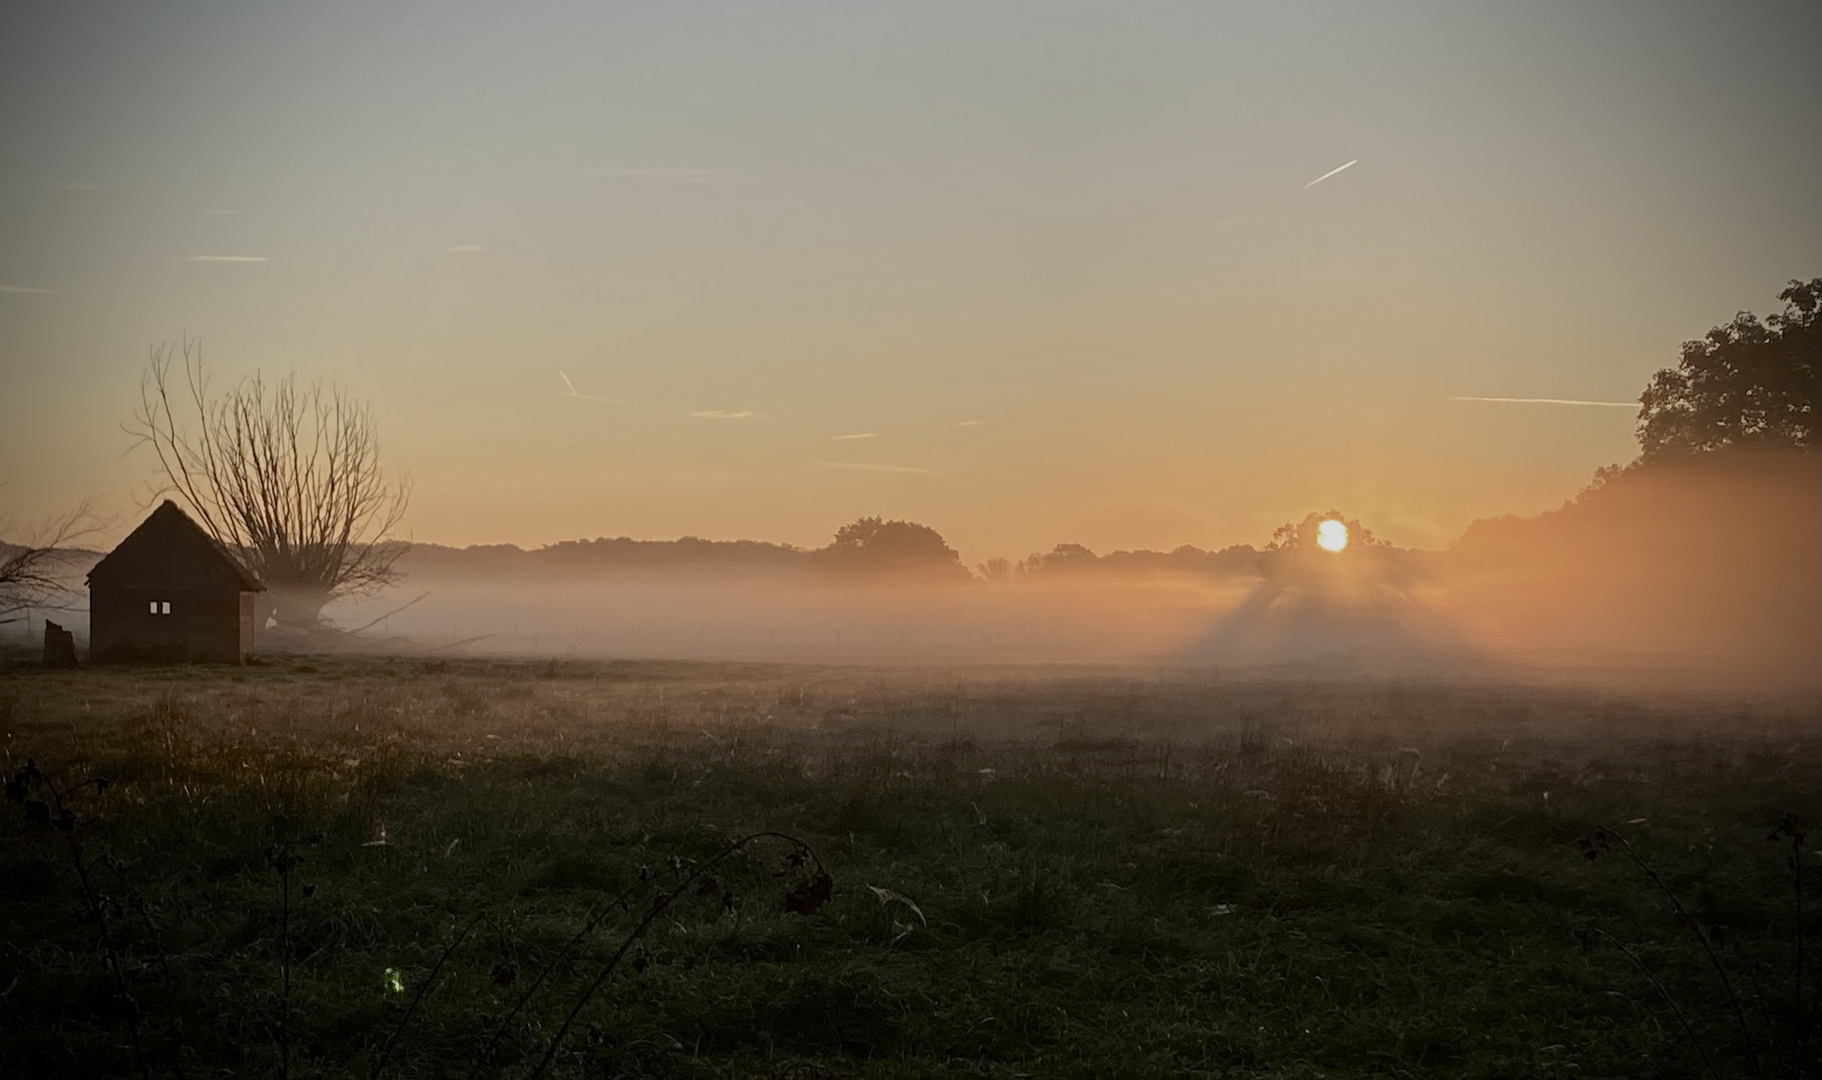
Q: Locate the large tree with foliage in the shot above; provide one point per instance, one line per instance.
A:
(873, 546)
(1748, 384)
(287, 477)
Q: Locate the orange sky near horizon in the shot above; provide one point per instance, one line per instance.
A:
(1027, 273)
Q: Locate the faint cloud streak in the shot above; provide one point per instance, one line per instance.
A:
(1330, 173)
(859, 435)
(573, 393)
(63, 185)
(227, 259)
(724, 414)
(1552, 401)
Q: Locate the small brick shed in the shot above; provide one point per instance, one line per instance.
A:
(170, 593)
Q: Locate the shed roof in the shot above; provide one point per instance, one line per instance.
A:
(170, 550)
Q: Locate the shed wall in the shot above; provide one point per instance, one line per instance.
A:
(204, 625)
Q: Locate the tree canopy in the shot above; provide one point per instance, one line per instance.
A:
(1301, 535)
(1748, 384)
(875, 546)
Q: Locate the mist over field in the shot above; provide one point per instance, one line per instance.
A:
(1704, 576)
(810, 621)
(883, 541)
(1698, 576)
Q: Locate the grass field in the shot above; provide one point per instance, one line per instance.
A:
(343, 867)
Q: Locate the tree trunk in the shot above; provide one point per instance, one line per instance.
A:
(298, 608)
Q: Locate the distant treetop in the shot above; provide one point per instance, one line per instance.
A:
(1298, 535)
(873, 545)
(1748, 384)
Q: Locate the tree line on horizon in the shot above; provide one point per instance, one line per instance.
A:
(873, 547)
(867, 548)
(287, 478)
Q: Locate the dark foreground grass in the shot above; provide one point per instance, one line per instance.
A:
(1036, 875)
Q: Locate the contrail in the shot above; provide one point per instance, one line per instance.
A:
(584, 397)
(1330, 173)
(1553, 401)
(870, 467)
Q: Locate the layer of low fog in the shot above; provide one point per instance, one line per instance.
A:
(1707, 575)
(721, 615)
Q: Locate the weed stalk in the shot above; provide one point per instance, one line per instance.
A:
(1701, 935)
(429, 981)
(801, 899)
(1668, 1000)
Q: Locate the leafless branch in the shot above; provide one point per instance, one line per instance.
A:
(286, 477)
(34, 572)
(371, 623)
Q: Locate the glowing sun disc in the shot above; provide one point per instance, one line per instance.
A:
(1331, 536)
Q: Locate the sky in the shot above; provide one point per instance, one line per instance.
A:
(1028, 273)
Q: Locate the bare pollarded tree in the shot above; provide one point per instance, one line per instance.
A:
(287, 478)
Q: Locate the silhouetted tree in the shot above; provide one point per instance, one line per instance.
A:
(1298, 535)
(995, 571)
(286, 477)
(875, 546)
(1062, 559)
(1294, 557)
(1185, 560)
(32, 572)
(1746, 384)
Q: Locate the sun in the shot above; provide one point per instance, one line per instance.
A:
(1331, 535)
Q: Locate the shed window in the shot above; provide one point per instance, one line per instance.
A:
(160, 607)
